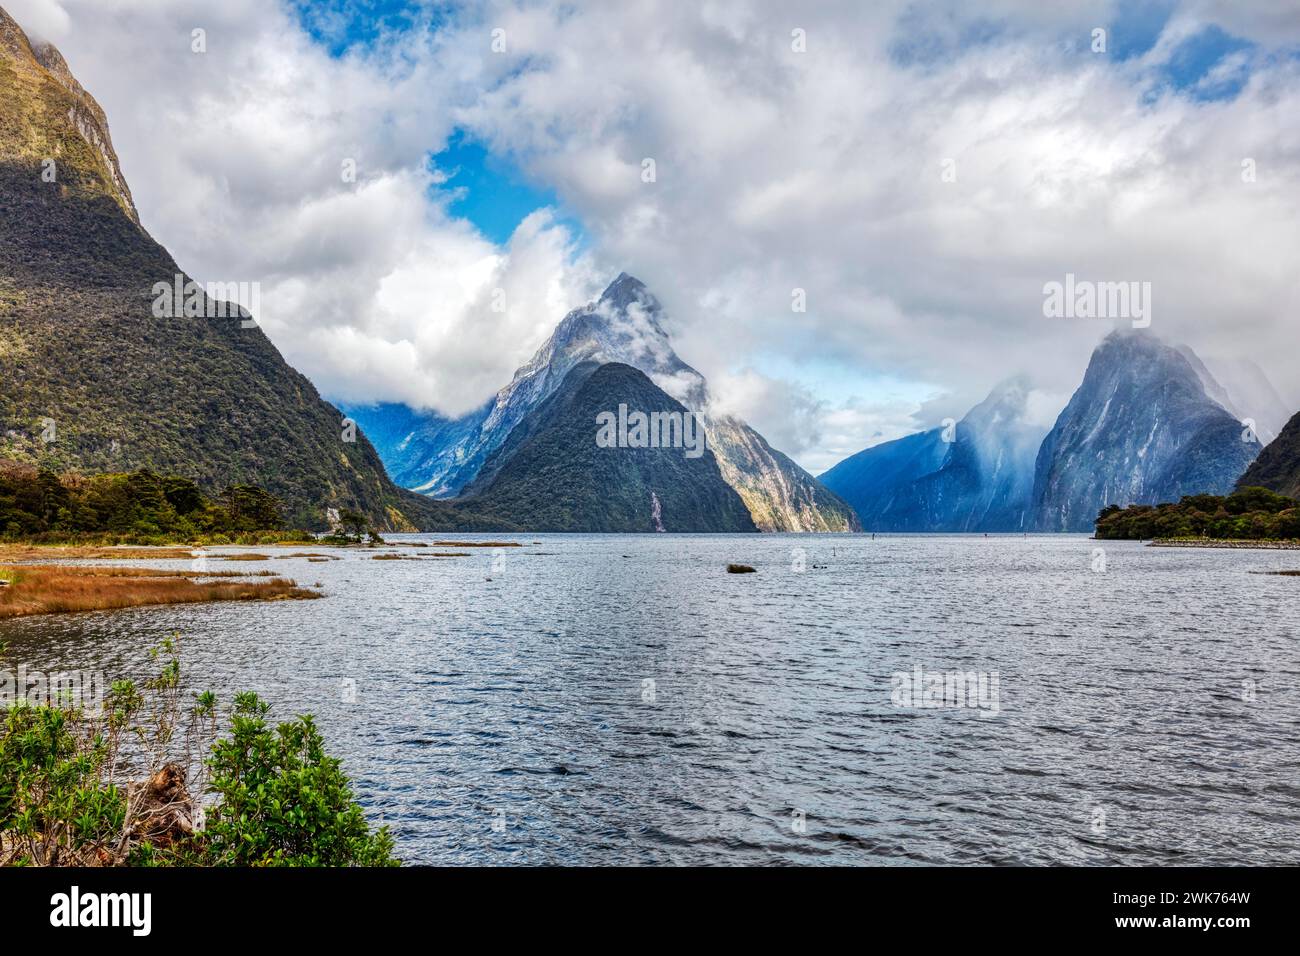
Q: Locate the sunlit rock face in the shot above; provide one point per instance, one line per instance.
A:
(1140, 429)
(440, 456)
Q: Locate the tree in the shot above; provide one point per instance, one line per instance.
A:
(282, 801)
(353, 525)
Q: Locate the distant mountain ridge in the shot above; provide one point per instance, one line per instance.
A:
(1250, 396)
(441, 456)
(1149, 423)
(973, 477)
(1140, 429)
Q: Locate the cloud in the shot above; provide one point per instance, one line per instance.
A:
(776, 170)
(822, 171)
(41, 20)
(369, 285)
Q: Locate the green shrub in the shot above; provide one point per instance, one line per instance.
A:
(274, 797)
(282, 801)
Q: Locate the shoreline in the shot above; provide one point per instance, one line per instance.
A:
(1229, 543)
(34, 589)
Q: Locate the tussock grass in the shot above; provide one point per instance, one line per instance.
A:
(51, 589)
(24, 552)
(476, 544)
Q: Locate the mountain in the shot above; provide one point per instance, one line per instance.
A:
(1140, 429)
(1278, 466)
(1250, 395)
(552, 474)
(873, 479)
(415, 445)
(978, 480)
(441, 456)
(95, 381)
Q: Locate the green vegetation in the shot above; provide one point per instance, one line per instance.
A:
(1278, 466)
(80, 347)
(274, 797)
(137, 507)
(1254, 514)
(353, 528)
(551, 475)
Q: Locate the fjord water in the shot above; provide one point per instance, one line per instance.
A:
(502, 711)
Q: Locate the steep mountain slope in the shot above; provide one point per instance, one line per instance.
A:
(415, 445)
(874, 478)
(1140, 429)
(93, 380)
(552, 475)
(979, 481)
(1278, 466)
(622, 326)
(1251, 396)
(988, 475)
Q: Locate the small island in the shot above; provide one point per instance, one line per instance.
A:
(1248, 518)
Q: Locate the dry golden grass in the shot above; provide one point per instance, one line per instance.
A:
(46, 552)
(476, 544)
(250, 556)
(50, 589)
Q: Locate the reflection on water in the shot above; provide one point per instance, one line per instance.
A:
(621, 699)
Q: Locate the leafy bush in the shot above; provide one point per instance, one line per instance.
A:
(275, 798)
(282, 801)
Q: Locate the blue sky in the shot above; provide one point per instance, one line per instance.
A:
(494, 194)
(922, 294)
(684, 258)
(490, 191)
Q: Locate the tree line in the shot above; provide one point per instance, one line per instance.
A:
(36, 503)
(1247, 514)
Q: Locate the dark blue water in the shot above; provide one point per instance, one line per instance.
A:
(622, 699)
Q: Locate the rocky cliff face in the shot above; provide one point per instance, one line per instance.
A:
(64, 125)
(551, 474)
(1278, 466)
(95, 380)
(975, 477)
(440, 456)
(1141, 429)
(1250, 396)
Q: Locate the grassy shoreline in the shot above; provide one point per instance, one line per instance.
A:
(1243, 544)
(131, 539)
(31, 589)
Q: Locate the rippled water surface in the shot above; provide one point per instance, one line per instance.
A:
(622, 699)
